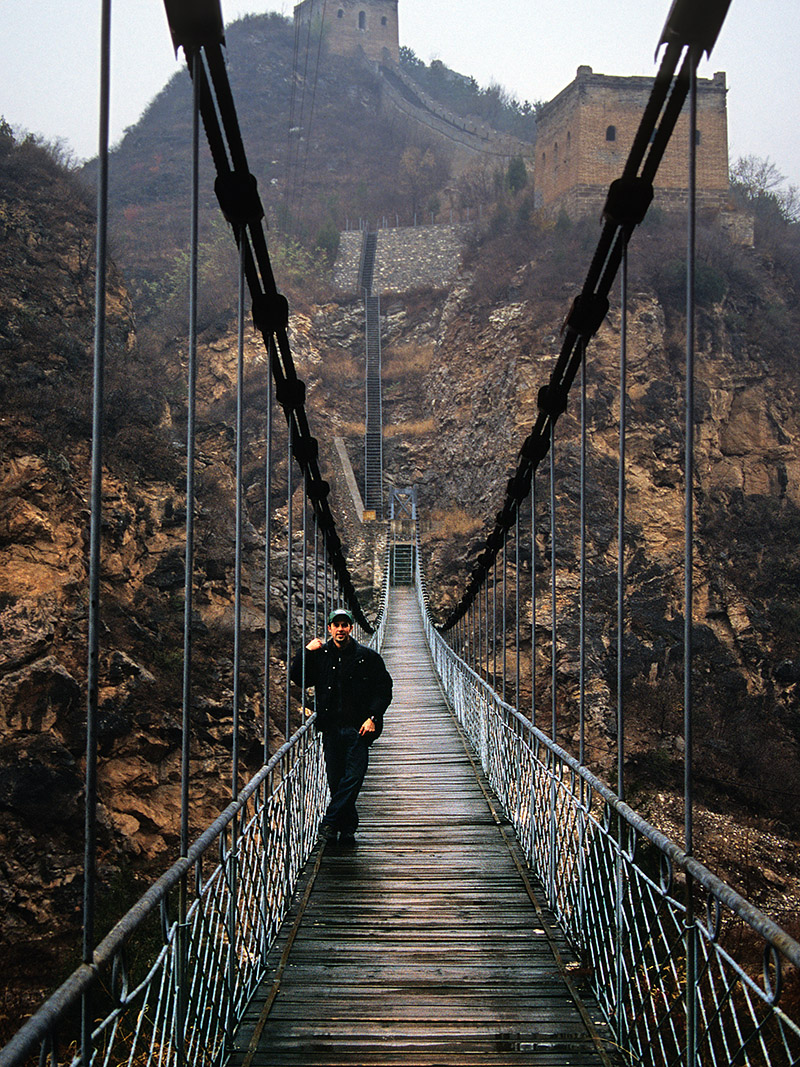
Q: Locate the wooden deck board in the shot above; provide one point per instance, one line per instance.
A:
(421, 946)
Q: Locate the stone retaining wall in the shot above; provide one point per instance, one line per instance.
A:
(405, 258)
(348, 260)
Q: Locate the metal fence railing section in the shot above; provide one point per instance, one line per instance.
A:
(168, 991)
(619, 888)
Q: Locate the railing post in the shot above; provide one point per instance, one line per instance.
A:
(553, 583)
(325, 580)
(266, 831)
(233, 909)
(516, 613)
(268, 547)
(303, 641)
(691, 929)
(582, 606)
(533, 596)
(315, 624)
(181, 935)
(93, 665)
(619, 911)
(554, 704)
(504, 592)
(623, 427)
(289, 576)
(480, 601)
(494, 623)
(473, 621)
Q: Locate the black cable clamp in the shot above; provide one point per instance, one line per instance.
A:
(552, 400)
(270, 312)
(291, 393)
(237, 193)
(482, 562)
(318, 489)
(335, 546)
(586, 315)
(628, 200)
(534, 449)
(306, 449)
(494, 542)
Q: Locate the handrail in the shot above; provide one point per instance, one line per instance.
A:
(588, 859)
(41, 1027)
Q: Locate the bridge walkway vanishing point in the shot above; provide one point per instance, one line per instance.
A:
(422, 945)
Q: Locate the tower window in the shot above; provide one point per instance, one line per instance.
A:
(384, 20)
(362, 20)
(340, 14)
(611, 133)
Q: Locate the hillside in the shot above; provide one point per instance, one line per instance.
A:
(325, 152)
(318, 147)
(461, 371)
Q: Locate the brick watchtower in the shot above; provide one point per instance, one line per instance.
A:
(585, 133)
(351, 26)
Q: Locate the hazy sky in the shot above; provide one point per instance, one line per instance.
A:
(49, 63)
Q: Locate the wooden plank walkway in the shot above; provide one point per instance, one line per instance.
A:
(422, 945)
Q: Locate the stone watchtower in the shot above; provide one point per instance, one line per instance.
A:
(586, 132)
(353, 26)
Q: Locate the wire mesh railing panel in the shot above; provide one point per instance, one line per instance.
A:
(619, 889)
(169, 992)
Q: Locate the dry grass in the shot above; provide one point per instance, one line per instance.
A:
(345, 428)
(421, 428)
(454, 523)
(400, 360)
(339, 366)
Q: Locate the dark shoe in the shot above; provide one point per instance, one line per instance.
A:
(327, 832)
(347, 840)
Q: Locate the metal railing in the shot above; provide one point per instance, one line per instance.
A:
(619, 888)
(168, 992)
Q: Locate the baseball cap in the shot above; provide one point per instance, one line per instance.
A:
(339, 613)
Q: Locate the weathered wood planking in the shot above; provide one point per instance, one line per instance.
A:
(421, 946)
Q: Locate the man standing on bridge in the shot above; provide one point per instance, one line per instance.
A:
(353, 690)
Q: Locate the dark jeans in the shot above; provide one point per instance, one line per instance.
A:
(346, 759)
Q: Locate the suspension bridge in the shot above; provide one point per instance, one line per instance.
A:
(504, 905)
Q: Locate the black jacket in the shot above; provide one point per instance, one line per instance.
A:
(351, 686)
